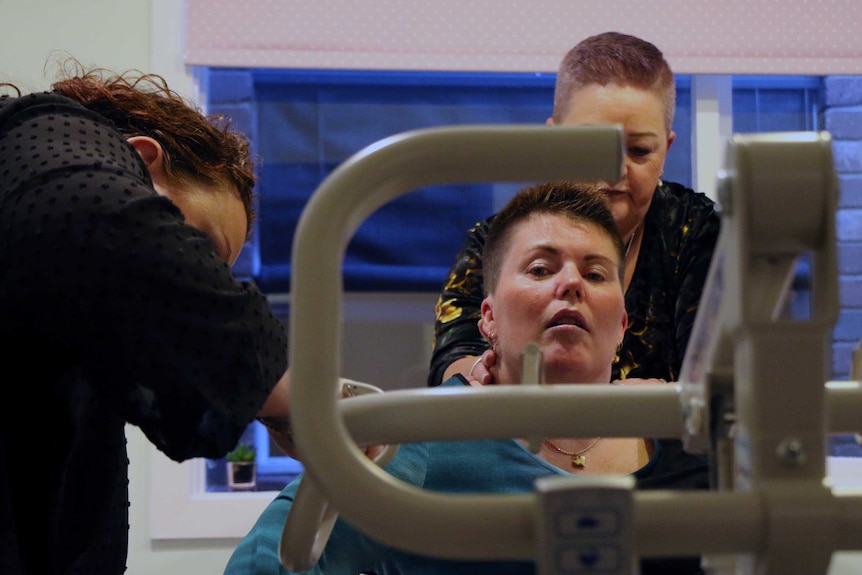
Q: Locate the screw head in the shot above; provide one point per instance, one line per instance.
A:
(790, 452)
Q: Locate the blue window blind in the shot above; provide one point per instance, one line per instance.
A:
(776, 103)
(305, 123)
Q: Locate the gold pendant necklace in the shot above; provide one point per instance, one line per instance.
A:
(579, 461)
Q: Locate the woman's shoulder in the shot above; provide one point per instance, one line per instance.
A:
(39, 103)
(479, 231)
(670, 196)
(41, 117)
(683, 213)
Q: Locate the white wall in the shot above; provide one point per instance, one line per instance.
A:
(145, 35)
(119, 35)
(109, 33)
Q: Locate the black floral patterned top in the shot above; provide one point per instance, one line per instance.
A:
(680, 233)
(112, 311)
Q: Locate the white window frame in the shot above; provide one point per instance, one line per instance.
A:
(180, 506)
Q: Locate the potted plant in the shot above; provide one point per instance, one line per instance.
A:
(241, 467)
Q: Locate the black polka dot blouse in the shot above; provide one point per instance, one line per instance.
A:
(112, 311)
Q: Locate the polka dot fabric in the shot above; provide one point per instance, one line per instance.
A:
(733, 36)
(112, 310)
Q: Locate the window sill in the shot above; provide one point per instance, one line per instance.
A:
(181, 508)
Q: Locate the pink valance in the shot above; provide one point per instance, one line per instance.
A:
(816, 37)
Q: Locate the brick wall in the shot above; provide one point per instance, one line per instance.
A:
(842, 118)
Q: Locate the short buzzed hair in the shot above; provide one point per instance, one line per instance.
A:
(575, 200)
(618, 58)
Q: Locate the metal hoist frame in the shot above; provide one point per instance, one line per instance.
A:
(753, 392)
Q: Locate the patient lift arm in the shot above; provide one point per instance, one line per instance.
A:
(753, 382)
(747, 370)
(363, 183)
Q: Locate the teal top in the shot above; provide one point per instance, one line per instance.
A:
(484, 466)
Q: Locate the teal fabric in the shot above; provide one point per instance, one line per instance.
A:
(486, 466)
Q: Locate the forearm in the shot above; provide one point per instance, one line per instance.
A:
(460, 366)
(449, 361)
(275, 414)
(695, 260)
(277, 405)
(455, 339)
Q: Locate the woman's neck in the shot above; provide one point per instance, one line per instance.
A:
(511, 375)
(577, 377)
(633, 248)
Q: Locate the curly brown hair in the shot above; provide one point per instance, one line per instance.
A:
(197, 147)
(613, 57)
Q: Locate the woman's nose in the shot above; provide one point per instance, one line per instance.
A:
(570, 284)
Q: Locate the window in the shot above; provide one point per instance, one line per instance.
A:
(304, 123)
(776, 103)
(780, 104)
(274, 469)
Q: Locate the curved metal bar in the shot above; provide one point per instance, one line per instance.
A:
(500, 525)
(771, 522)
(438, 414)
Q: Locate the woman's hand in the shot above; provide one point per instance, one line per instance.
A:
(480, 370)
(281, 432)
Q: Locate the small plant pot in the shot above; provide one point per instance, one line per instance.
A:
(241, 474)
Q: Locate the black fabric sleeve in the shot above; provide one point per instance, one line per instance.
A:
(692, 268)
(104, 273)
(458, 309)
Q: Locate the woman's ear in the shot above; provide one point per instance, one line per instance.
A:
(625, 324)
(153, 155)
(486, 322)
(670, 139)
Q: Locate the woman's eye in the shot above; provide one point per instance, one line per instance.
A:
(595, 276)
(639, 152)
(538, 271)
